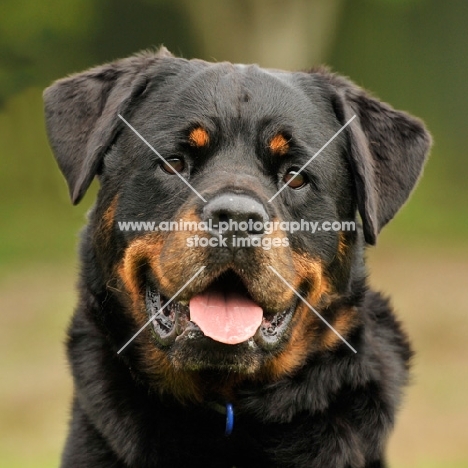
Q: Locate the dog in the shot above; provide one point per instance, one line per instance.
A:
(237, 342)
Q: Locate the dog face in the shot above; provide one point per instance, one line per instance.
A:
(229, 138)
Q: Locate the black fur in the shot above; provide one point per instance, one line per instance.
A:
(337, 408)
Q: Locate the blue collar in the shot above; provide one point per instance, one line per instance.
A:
(227, 410)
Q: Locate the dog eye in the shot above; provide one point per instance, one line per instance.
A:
(173, 165)
(295, 179)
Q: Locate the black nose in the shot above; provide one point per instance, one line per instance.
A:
(233, 214)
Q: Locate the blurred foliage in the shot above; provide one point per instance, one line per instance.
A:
(42, 41)
(412, 56)
(36, 39)
(408, 52)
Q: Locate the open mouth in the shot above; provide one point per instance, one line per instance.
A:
(224, 312)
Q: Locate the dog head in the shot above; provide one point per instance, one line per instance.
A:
(223, 159)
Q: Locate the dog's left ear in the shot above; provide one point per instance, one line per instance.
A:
(81, 114)
(388, 149)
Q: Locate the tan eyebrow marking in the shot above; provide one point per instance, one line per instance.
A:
(199, 137)
(279, 144)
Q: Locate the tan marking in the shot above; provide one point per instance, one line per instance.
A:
(266, 287)
(139, 253)
(109, 214)
(199, 137)
(342, 245)
(310, 270)
(184, 386)
(296, 350)
(103, 233)
(344, 323)
(306, 325)
(279, 144)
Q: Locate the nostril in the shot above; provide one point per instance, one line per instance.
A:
(255, 226)
(223, 217)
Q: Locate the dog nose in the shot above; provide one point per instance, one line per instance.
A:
(235, 214)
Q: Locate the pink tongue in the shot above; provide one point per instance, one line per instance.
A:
(227, 317)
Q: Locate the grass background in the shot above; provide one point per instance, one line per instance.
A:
(428, 289)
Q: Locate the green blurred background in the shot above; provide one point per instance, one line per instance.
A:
(411, 53)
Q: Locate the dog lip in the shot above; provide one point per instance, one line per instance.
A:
(165, 320)
(172, 322)
(272, 330)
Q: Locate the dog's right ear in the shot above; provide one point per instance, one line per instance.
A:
(81, 114)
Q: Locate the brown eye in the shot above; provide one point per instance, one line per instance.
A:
(294, 179)
(173, 165)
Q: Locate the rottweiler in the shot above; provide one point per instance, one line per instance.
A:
(215, 327)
